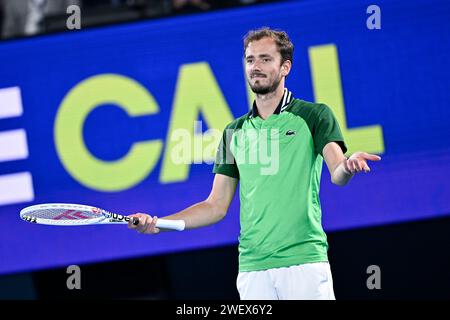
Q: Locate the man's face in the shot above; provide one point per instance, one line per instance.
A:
(262, 66)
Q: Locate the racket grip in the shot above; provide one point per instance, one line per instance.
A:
(170, 224)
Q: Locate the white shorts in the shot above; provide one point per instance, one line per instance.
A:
(310, 281)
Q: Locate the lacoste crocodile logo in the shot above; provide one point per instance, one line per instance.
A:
(290, 133)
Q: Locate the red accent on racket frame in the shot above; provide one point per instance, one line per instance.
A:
(72, 216)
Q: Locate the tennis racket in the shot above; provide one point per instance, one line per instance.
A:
(67, 214)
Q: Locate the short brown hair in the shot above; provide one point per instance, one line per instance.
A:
(281, 38)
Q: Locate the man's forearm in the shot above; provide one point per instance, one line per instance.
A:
(341, 176)
(199, 215)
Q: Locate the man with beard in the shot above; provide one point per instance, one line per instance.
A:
(282, 245)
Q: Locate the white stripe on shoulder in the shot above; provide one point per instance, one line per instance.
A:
(284, 98)
(288, 100)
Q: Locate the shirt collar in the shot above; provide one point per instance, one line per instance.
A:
(284, 102)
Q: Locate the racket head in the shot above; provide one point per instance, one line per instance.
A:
(63, 214)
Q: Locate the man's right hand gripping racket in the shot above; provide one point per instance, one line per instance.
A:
(66, 214)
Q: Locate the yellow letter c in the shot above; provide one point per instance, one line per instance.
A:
(97, 174)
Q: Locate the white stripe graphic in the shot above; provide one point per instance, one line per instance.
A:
(13, 145)
(10, 102)
(17, 187)
(284, 98)
(288, 99)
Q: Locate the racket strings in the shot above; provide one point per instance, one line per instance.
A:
(62, 214)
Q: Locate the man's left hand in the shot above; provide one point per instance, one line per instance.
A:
(358, 162)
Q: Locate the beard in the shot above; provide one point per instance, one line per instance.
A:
(260, 89)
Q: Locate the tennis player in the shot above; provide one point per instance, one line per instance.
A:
(282, 245)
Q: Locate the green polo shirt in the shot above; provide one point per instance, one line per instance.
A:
(279, 163)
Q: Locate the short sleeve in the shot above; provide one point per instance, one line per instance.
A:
(225, 163)
(326, 129)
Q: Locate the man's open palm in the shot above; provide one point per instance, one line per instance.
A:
(358, 162)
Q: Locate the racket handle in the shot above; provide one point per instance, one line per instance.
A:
(170, 224)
